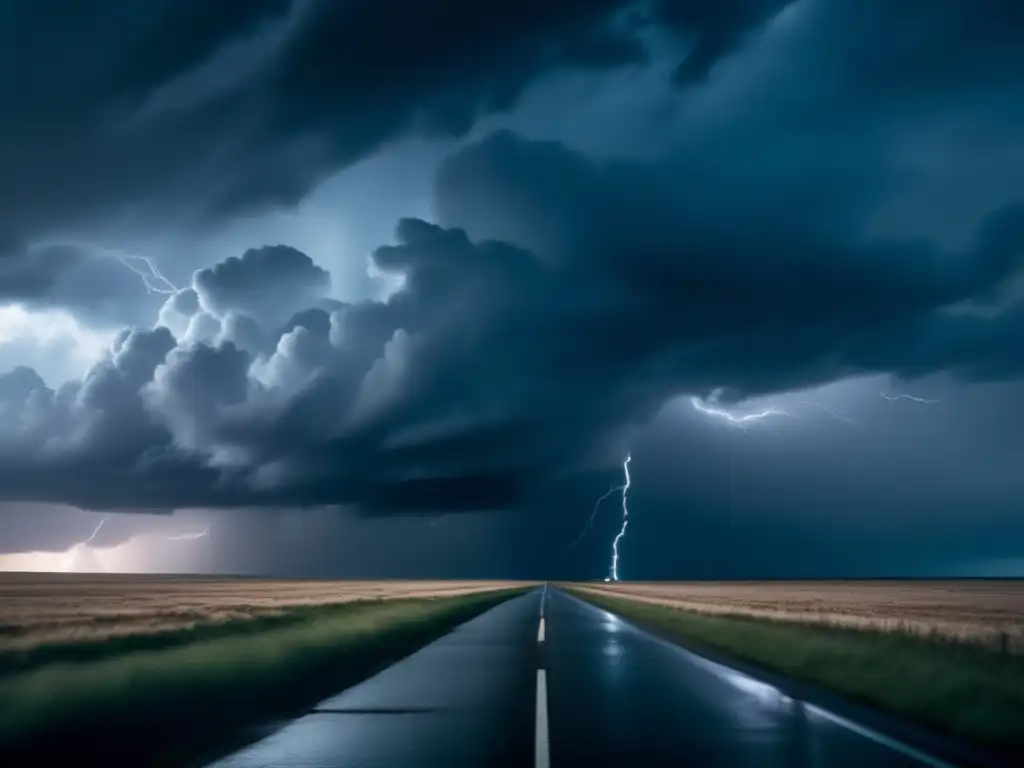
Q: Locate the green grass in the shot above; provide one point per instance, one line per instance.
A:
(194, 696)
(972, 693)
(75, 651)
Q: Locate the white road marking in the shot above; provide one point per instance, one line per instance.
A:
(541, 756)
(540, 631)
(879, 738)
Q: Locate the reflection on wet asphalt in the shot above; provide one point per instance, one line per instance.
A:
(616, 696)
(619, 696)
(466, 699)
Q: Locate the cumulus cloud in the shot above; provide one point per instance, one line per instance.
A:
(560, 299)
(177, 312)
(494, 363)
(52, 341)
(270, 283)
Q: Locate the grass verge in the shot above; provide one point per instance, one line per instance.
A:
(188, 701)
(971, 693)
(14, 661)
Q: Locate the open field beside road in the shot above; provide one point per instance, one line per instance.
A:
(186, 694)
(989, 613)
(847, 638)
(55, 609)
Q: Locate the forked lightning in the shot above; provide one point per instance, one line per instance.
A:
(710, 408)
(741, 421)
(190, 536)
(593, 514)
(614, 571)
(912, 398)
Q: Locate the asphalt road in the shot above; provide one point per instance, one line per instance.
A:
(581, 688)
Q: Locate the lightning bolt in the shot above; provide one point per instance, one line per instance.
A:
(191, 536)
(743, 421)
(146, 268)
(831, 412)
(73, 549)
(593, 515)
(150, 273)
(614, 571)
(96, 530)
(912, 398)
(710, 407)
(154, 281)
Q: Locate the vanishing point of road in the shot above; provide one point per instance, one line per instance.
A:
(548, 680)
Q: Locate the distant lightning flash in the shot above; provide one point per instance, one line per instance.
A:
(145, 267)
(74, 548)
(912, 398)
(191, 536)
(710, 408)
(831, 412)
(150, 273)
(95, 532)
(614, 573)
(593, 514)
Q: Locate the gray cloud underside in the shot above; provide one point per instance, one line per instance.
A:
(563, 299)
(496, 367)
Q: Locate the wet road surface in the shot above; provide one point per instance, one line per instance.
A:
(580, 688)
(466, 699)
(618, 696)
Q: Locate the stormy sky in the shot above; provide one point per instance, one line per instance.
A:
(392, 288)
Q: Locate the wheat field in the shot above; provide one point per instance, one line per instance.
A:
(43, 609)
(984, 612)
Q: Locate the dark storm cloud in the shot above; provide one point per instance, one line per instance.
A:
(781, 302)
(495, 368)
(564, 299)
(188, 111)
(716, 29)
(906, 55)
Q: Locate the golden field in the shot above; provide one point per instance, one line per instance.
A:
(986, 612)
(42, 609)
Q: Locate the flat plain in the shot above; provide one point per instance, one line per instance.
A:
(46, 609)
(141, 656)
(984, 612)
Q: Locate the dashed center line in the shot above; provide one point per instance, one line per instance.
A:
(541, 754)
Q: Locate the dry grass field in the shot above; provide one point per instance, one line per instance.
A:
(144, 657)
(44, 609)
(983, 612)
